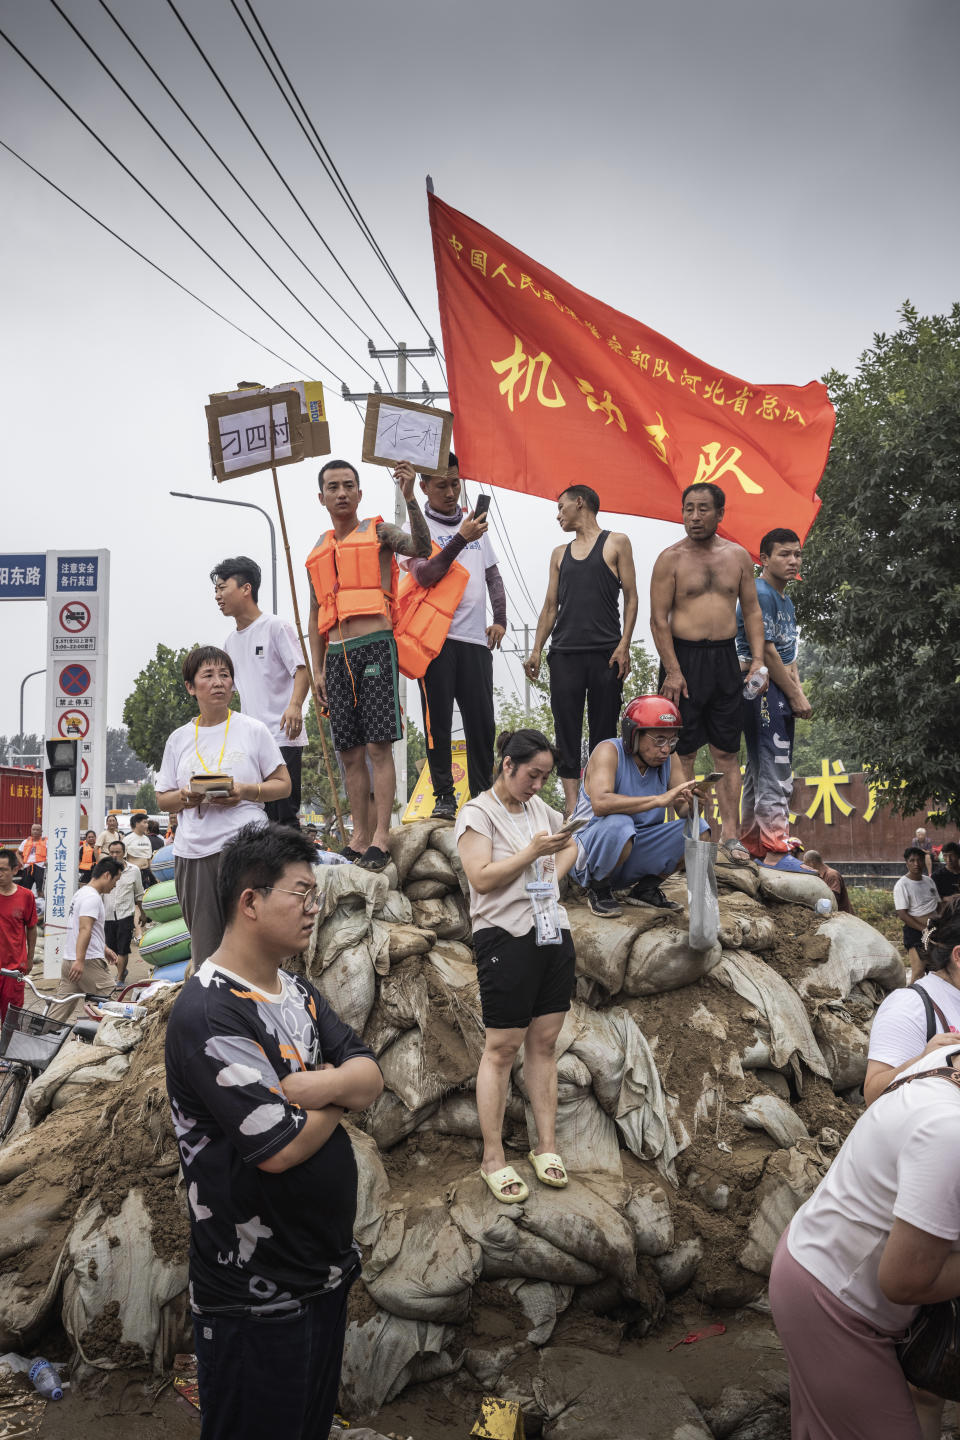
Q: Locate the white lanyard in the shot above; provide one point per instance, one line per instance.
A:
(526, 817)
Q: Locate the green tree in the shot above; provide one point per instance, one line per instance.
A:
(314, 782)
(882, 583)
(157, 704)
(416, 755)
(122, 764)
(820, 737)
(147, 798)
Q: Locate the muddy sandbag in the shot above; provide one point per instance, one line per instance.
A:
(74, 1057)
(431, 865)
(789, 1035)
(425, 889)
(648, 1211)
(373, 1187)
(583, 1224)
(73, 1086)
(349, 984)
(446, 917)
(407, 1074)
(844, 1044)
(779, 1119)
(455, 965)
(789, 1179)
(736, 877)
(745, 924)
(577, 1401)
(508, 1249)
(662, 960)
(676, 1268)
(541, 1304)
(857, 953)
(350, 886)
(794, 888)
(387, 1353)
(457, 1114)
(26, 1307)
(116, 1282)
(424, 1270)
(444, 839)
(389, 1121)
(407, 843)
(406, 940)
(603, 946)
(396, 909)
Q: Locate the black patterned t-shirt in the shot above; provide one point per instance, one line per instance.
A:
(258, 1241)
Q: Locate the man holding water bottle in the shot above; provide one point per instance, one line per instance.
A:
(696, 588)
(769, 718)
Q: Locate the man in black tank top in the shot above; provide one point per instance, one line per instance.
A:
(589, 653)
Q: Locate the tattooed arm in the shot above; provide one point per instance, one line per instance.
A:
(418, 542)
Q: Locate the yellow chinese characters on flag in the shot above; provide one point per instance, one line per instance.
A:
(420, 805)
(550, 386)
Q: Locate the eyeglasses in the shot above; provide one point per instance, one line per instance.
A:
(310, 898)
(665, 742)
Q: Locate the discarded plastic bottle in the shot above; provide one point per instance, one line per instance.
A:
(45, 1380)
(755, 684)
(118, 1007)
(824, 906)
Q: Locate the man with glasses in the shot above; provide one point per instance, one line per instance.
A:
(628, 846)
(260, 1072)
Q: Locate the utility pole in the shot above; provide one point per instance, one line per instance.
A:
(426, 396)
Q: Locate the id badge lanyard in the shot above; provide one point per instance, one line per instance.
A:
(543, 896)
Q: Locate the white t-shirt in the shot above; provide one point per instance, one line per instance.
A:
(121, 901)
(469, 621)
(87, 901)
(901, 1160)
(899, 1030)
(138, 849)
(250, 754)
(920, 897)
(266, 656)
(509, 908)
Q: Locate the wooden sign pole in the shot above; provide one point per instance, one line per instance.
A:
(306, 659)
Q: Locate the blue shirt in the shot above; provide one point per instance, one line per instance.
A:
(779, 623)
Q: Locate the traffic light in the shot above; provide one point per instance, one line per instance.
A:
(62, 768)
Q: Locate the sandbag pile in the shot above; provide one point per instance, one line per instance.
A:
(702, 1095)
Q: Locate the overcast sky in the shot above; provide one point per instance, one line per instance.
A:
(765, 183)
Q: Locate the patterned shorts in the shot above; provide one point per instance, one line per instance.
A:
(363, 690)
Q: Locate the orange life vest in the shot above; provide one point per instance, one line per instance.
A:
(38, 858)
(346, 579)
(88, 856)
(424, 613)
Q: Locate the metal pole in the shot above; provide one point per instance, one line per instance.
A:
(526, 677)
(247, 505)
(400, 514)
(22, 684)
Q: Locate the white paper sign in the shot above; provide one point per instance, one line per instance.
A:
(245, 440)
(409, 435)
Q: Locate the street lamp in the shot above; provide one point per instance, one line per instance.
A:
(248, 505)
(22, 684)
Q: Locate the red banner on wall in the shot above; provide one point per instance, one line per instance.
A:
(550, 387)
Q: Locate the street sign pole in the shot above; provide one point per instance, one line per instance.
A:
(78, 608)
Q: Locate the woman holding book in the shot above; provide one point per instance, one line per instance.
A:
(217, 774)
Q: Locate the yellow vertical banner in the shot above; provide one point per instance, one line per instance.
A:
(421, 802)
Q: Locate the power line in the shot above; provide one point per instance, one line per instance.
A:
(233, 176)
(273, 165)
(328, 164)
(200, 185)
(504, 532)
(146, 258)
(170, 216)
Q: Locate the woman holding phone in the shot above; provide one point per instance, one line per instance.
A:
(515, 851)
(218, 772)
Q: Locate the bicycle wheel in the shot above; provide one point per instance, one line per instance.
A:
(13, 1083)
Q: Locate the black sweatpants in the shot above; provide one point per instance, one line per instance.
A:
(287, 810)
(577, 676)
(462, 672)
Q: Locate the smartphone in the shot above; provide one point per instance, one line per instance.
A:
(709, 779)
(571, 826)
(481, 507)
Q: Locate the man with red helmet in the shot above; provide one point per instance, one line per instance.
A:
(694, 590)
(628, 785)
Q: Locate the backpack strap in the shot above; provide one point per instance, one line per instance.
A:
(947, 1071)
(933, 1013)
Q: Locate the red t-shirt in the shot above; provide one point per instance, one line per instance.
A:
(18, 914)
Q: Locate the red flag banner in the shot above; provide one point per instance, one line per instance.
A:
(550, 387)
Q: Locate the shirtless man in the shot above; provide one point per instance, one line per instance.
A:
(694, 590)
(589, 654)
(353, 576)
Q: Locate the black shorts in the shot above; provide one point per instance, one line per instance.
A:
(713, 712)
(912, 939)
(520, 979)
(119, 934)
(363, 690)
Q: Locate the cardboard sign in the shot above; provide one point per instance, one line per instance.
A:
(239, 429)
(396, 430)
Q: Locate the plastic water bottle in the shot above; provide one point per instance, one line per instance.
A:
(45, 1380)
(824, 906)
(755, 684)
(118, 1007)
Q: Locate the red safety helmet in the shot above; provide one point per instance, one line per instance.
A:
(647, 712)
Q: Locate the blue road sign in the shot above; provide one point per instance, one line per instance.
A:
(23, 577)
